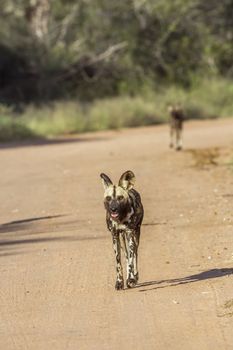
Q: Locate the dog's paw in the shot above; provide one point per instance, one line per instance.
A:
(178, 148)
(131, 282)
(119, 285)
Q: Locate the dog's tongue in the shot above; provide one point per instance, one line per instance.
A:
(114, 215)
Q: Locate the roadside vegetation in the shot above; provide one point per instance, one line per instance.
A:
(76, 66)
(209, 99)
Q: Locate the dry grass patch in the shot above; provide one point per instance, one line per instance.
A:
(205, 157)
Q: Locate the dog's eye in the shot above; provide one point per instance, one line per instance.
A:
(108, 198)
(120, 198)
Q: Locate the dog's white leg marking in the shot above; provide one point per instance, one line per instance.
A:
(126, 251)
(136, 263)
(137, 237)
(179, 139)
(119, 271)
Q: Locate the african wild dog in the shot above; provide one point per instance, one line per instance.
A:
(124, 215)
(176, 125)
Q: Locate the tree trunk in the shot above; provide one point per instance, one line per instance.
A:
(37, 15)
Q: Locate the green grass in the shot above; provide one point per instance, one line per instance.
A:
(211, 98)
(14, 129)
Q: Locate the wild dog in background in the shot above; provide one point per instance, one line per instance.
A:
(124, 215)
(176, 125)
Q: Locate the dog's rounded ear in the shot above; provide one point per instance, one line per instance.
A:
(105, 180)
(127, 180)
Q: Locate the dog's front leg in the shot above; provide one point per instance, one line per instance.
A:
(132, 259)
(137, 238)
(126, 251)
(171, 136)
(178, 139)
(117, 249)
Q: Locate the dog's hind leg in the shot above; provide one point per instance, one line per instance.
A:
(119, 272)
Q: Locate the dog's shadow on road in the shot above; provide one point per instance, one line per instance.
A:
(15, 236)
(202, 276)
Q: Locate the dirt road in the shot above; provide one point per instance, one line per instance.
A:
(56, 257)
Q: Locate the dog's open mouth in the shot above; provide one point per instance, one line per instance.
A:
(114, 215)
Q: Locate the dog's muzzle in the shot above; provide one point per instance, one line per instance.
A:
(114, 210)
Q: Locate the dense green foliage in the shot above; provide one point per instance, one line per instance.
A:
(209, 99)
(87, 49)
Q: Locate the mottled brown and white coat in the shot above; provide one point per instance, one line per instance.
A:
(176, 126)
(124, 215)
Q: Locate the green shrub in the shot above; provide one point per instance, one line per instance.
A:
(14, 129)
